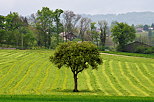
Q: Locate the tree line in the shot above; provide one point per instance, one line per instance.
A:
(27, 32)
(47, 28)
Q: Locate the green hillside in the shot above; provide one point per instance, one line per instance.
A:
(29, 72)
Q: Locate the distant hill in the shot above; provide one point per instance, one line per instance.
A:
(130, 18)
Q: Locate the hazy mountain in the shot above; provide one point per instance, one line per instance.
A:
(130, 18)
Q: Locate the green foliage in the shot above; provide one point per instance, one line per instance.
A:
(76, 55)
(44, 26)
(77, 39)
(13, 21)
(145, 50)
(48, 24)
(11, 25)
(94, 34)
(92, 26)
(58, 26)
(15, 31)
(2, 31)
(101, 48)
(122, 34)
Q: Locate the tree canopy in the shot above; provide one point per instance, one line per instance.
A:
(76, 56)
(46, 28)
(122, 34)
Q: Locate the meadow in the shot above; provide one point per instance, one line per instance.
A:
(29, 73)
(129, 54)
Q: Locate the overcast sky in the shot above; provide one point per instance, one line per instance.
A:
(27, 7)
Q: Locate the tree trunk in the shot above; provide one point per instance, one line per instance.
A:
(57, 33)
(22, 41)
(75, 83)
(82, 37)
(49, 40)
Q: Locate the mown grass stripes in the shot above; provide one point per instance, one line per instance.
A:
(20, 84)
(138, 81)
(25, 72)
(88, 81)
(114, 69)
(44, 79)
(136, 90)
(134, 80)
(111, 88)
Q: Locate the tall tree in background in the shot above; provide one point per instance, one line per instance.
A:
(70, 20)
(12, 26)
(2, 29)
(94, 33)
(103, 26)
(23, 29)
(17, 33)
(27, 35)
(84, 27)
(44, 25)
(122, 34)
(93, 29)
(59, 26)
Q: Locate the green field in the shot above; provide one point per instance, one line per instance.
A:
(129, 54)
(73, 98)
(29, 72)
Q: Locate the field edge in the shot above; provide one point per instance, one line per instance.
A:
(92, 98)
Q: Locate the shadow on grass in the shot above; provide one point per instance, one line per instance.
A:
(80, 91)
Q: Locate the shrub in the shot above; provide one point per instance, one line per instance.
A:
(144, 50)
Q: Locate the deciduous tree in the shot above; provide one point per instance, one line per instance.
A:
(76, 56)
(70, 21)
(2, 29)
(84, 27)
(59, 26)
(94, 33)
(122, 34)
(45, 18)
(103, 26)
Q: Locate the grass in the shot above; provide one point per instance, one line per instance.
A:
(138, 34)
(130, 54)
(28, 75)
(77, 98)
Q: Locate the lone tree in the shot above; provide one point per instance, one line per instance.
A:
(76, 56)
(122, 34)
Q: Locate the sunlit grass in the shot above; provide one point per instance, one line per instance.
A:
(29, 72)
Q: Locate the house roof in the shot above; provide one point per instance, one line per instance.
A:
(69, 35)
